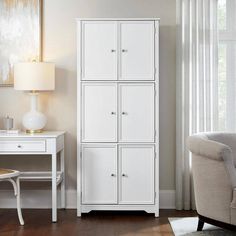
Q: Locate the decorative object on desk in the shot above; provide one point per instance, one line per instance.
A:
(33, 77)
(20, 35)
(11, 131)
(7, 123)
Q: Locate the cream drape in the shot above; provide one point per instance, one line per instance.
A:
(197, 80)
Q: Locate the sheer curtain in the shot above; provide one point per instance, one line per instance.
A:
(197, 85)
(227, 65)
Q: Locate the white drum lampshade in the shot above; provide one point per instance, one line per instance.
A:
(33, 77)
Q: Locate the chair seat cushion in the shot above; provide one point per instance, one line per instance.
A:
(7, 173)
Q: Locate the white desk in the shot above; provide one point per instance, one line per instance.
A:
(46, 143)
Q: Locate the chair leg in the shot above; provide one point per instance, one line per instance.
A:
(18, 202)
(16, 186)
(200, 224)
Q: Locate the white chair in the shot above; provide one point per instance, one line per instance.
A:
(13, 177)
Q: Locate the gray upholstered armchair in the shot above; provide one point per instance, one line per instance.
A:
(214, 178)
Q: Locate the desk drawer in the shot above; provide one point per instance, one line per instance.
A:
(23, 146)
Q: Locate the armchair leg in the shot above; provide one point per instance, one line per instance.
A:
(200, 224)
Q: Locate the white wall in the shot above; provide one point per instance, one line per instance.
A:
(59, 46)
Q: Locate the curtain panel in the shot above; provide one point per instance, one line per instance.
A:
(197, 90)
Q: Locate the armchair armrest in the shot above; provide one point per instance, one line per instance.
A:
(202, 146)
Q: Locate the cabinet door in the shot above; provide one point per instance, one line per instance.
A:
(136, 174)
(99, 50)
(99, 174)
(99, 112)
(136, 112)
(137, 50)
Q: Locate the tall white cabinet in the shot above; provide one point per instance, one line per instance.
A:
(118, 115)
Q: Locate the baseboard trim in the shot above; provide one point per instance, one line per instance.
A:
(41, 199)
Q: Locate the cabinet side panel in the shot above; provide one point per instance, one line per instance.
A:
(79, 45)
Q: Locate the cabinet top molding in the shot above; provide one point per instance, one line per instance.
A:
(117, 19)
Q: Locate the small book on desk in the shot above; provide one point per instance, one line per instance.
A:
(12, 131)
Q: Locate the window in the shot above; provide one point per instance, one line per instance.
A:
(227, 65)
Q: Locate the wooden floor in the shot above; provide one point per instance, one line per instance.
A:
(38, 223)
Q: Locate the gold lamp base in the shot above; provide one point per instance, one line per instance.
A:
(34, 131)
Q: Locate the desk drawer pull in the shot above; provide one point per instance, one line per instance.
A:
(19, 146)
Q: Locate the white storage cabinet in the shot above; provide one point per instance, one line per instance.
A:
(118, 115)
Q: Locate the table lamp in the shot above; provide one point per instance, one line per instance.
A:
(34, 77)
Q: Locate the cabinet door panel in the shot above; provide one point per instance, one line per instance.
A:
(136, 113)
(137, 50)
(99, 50)
(99, 174)
(99, 112)
(136, 174)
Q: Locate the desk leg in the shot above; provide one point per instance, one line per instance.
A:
(54, 187)
(63, 198)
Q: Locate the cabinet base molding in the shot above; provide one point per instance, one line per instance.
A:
(147, 208)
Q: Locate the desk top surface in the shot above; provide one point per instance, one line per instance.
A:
(44, 134)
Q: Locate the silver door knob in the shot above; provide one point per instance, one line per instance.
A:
(113, 175)
(124, 113)
(124, 50)
(124, 175)
(113, 50)
(113, 113)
